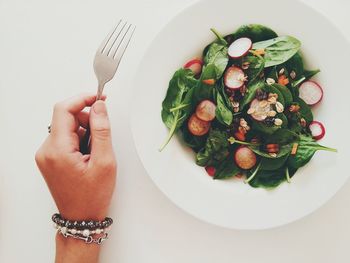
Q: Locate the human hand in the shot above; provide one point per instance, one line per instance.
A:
(81, 185)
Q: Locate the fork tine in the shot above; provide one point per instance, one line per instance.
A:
(119, 52)
(106, 41)
(114, 39)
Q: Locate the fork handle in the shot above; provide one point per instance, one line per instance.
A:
(85, 141)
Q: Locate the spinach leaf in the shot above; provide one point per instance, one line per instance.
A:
(269, 179)
(255, 32)
(203, 91)
(194, 142)
(308, 74)
(180, 92)
(284, 150)
(216, 53)
(295, 64)
(222, 113)
(306, 150)
(287, 95)
(282, 137)
(256, 66)
(227, 168)
(305, 110)
(220, 87)
(250, 93)
(215, 151)
(270, 164)
(278, 50)
(264, 128)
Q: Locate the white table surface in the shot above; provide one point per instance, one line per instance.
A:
(46, 52)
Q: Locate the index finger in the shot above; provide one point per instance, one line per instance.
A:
(64, 114)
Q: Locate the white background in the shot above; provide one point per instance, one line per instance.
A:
(46, 53)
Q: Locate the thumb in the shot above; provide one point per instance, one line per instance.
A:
(101, 142)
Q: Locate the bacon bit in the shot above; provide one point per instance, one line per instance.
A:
(242, 130)
(294, 149)
(209, 81)
(240, 136)
(283, 80)
(210, 170)
(294, 108)
(259, 52)
(272, 148)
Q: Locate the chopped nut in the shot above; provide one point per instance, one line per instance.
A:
(272, 100)
(303, 122)
(235, 109)
(292, 74)
(245, 65)
(263, 103)
(243, 78)
(270, 81)
(279, 107)
(278, 122)
(271, 113)
(294, 108)
(243, 123)
(281, 72)
(235, 104)
(274, 155)
(251, 111)
(294, 149)
(275, 95)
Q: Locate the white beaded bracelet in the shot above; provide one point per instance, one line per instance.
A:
(86, 234)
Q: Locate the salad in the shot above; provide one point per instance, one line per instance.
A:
(245, 107)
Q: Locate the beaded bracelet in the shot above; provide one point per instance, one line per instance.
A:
(82, 225)
(83, 230)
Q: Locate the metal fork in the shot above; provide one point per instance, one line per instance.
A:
(106, 62)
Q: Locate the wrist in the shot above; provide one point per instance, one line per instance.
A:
(72, 250)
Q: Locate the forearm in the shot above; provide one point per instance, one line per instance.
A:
(69, 250)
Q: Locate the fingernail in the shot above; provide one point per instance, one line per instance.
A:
(99, 107)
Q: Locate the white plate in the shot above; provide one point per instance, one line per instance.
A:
(231, 203)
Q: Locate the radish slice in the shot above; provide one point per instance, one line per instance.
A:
(240, 47)
(198, 127)
(245, 158)
(311, 92)
(195, 65)
(259, 109)
(234, 78)
(210, 170)
(206, 110)
(317, 130)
